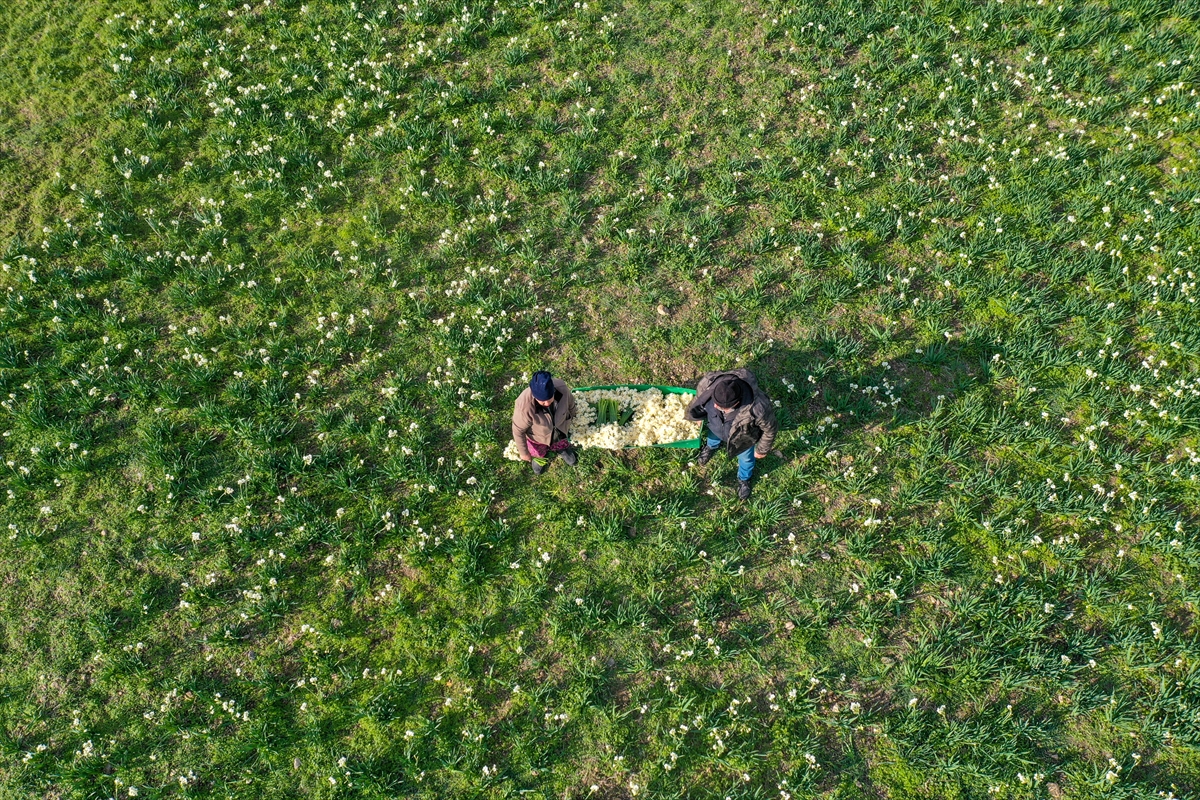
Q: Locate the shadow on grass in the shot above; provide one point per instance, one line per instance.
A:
(832, 401)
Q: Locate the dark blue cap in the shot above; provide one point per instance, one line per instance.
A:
(542, 385)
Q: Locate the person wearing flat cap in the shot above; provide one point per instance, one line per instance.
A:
(541, 421)
(740, 417)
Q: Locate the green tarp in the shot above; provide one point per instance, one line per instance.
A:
(684, 443)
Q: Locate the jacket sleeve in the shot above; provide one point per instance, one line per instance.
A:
(695, 409)
(570, 405)
(520, 427)
(769, 426)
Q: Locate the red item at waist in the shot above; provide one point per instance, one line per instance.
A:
(540, 450)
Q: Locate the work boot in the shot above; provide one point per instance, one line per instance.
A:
(705, 454)
(569, 457)
(537, 468)
(743, 490)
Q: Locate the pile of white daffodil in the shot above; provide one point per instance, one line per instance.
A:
(657, 419)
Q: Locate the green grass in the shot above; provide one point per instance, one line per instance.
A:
(273, 275)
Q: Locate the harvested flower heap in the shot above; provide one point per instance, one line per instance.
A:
(658, 418)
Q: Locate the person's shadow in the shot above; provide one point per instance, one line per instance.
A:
(819, 396)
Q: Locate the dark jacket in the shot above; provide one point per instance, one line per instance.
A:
(753, 424)
(528, 421)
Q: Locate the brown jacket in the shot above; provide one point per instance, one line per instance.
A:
(529, 421)
(754, 426)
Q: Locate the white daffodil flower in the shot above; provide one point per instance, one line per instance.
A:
(657, 419)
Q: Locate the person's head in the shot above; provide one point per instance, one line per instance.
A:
(728, 394)
(541, 386)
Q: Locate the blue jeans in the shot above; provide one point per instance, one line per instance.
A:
(745, 459)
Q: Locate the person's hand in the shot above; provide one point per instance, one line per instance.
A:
(526, 457)
(758, 455)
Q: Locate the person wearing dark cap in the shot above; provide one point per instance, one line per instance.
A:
(541, 421)
(739, 416)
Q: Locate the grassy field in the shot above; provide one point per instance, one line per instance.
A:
(273, 274)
